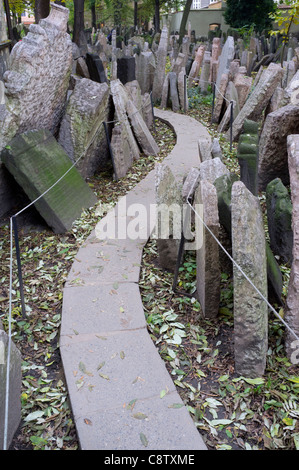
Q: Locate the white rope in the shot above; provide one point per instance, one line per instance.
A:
(239, 267)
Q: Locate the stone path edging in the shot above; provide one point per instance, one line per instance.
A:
(113, 370)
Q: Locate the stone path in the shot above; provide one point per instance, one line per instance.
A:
(113, 370)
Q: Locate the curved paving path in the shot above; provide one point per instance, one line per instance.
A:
(113, 371)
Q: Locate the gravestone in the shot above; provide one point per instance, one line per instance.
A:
(273, 158)
(37, 162)
(126, 69)
(227, 55)
(205, 148)
(82, 134)
(292, 311)
(220, 97)
(205, 73)
(258, 99)
(182, 89)
(279, 216)
(122, 155)
(38, 77)
(160, 65)
(96, 68)
(169, 217)
(15, 385)
(120, 98)
(250, 311)
(173, 92)
(274, 277)
(145, 70)
(207, 256)
(248, 152)
(143, 136)
(210, 170)
(195, 68)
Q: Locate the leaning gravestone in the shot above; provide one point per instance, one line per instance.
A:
(250, 310)
(15, 384)
(227, 55)
(207, 256)
(37, 162)
(258, 99)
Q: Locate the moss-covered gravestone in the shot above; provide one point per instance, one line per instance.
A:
(37, 162)
(248, 156)
(279, 215)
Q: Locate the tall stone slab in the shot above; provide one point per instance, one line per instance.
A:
(145, 70)
(248, 153)
(140, 129)
(207, 256)
(37, 162)
(169, 217)
(82, 134)
(258, 99)
(160, 64)
(195, 68)
(227, 55)
(292, 313)
(250, 311)
(279, 217)
(14, 388)
(273, 155)
(37, 82)
(120, 98)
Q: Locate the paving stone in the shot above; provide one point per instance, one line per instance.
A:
(176, 433)
(108, 307)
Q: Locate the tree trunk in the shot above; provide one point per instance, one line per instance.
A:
(41, 9)
(78, 20)
(135, 15)
(93, 15)
(184, 20)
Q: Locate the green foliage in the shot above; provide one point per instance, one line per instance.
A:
(285, 18)
(196, 99)
(240, 13)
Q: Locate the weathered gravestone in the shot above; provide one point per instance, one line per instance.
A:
(120, 98)
(126, 69)
(95, 68)
(210, 170)
(250, 310)
(292, 313)
(38, 78)
(279, 216)
(37, 162)
(258, 99)
(227, 55)
(82, 133)
(273, 157)
(207, 256)
(169, 216)
(248, 152)
(160, 65)
(15, 384)
(9, 428)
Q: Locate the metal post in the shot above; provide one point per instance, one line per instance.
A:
(231, 124)
(110, 149)
(185, 93)
(15, 229)
(213, 102)
(152, 104)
